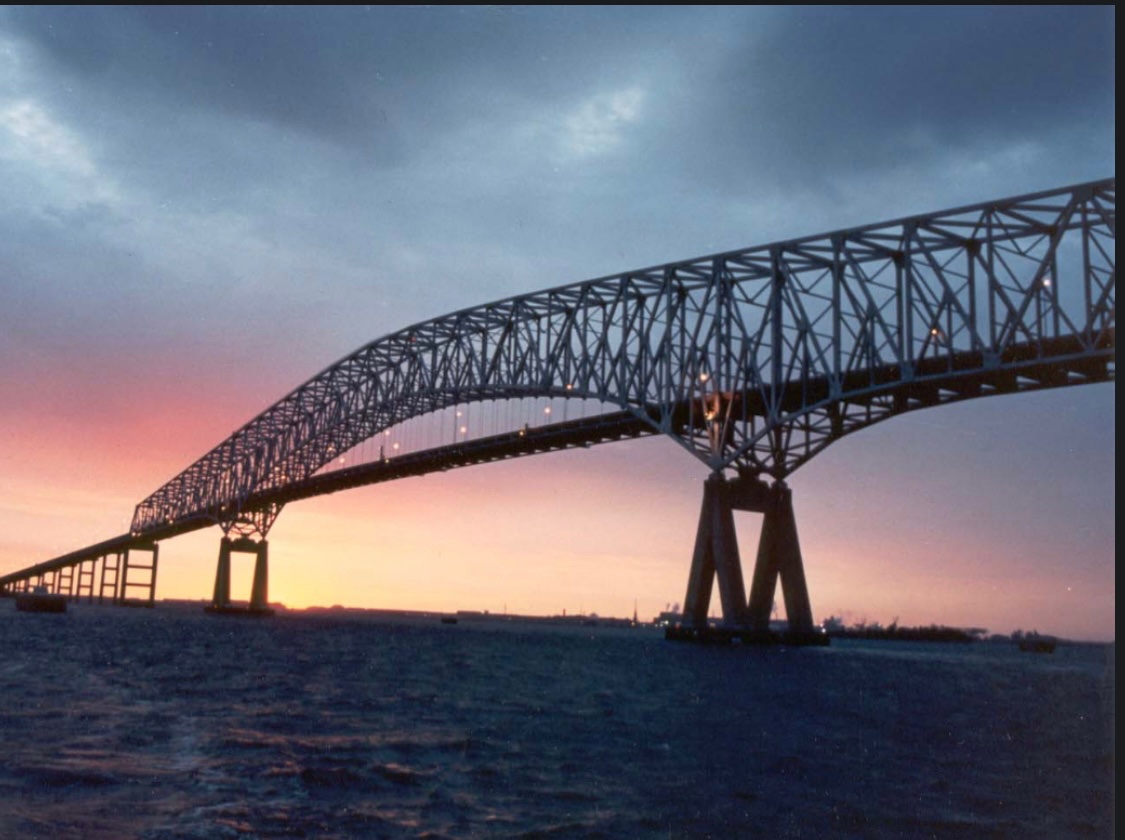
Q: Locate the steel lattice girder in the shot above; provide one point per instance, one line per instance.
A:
(754, 359)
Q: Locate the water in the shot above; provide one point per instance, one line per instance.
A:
(167, 723)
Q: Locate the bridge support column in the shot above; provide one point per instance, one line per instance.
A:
(66, 581)
(110, 578)
(259, 591)
(86, 570)
(221, 599)
(779, 557)
(127, 566)
(716, 556)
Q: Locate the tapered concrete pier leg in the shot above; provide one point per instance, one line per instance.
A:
(779, 558)
(701, 579)
(728, 563)
(259, 592)
(763, 586)
(791, 567)
(715, 555)
(221, 598)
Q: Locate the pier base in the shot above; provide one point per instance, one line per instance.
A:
(716, 556)
(259, 591)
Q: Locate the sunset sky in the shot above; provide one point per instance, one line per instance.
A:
(201, 208)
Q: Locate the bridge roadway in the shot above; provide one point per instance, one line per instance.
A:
(529, 441)
(938, 380)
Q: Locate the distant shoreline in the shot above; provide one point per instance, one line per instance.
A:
(936, 633)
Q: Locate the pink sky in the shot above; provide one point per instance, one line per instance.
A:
(926, 518)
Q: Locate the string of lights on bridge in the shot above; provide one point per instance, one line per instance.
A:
(465, 423)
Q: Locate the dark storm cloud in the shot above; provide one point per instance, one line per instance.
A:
(738, 98)
(406, 142)
(265, 64)
(375, 79)
(962, 70)
(832, 90)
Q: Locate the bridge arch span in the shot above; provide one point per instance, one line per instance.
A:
(753, 360)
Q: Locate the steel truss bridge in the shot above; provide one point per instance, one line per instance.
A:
(752, 360)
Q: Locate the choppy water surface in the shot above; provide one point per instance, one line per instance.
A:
(171, 724)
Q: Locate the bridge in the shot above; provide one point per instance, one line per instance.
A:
(752, 360)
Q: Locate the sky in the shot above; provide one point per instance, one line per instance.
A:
(201, 208)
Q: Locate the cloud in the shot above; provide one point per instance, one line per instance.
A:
(598, 125)
(34, 138)
(379, 81)
(812, 94)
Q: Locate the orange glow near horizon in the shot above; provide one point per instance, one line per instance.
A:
(586, 531)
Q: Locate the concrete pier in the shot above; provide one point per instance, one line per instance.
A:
(779, 558)
(221, 602)
(716, 556)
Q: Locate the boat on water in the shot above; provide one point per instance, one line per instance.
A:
(40, 600)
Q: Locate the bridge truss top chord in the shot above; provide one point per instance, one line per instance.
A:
(753, 360)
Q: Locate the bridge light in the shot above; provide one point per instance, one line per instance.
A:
(1047, 281)
(464, 430)
(547, 410)
(703, 377)
(395, 445)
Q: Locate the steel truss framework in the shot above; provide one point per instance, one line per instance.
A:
(753, 360)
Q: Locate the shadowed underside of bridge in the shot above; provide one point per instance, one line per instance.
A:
(752, 360)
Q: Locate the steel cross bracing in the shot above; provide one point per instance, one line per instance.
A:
(753, 360)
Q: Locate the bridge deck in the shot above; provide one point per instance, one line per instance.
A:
(548, 438)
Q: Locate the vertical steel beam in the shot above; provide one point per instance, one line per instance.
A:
(122, 579)
(152, 582)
